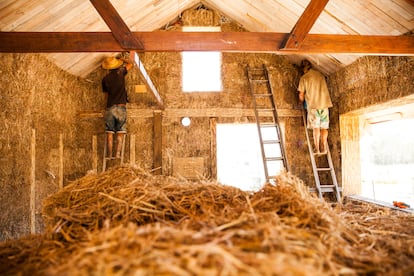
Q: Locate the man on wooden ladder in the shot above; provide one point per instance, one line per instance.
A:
(313, 90)
(113, 85)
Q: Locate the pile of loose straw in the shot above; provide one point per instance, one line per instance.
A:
(128, 222)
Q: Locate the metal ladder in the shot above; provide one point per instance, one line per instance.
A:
(325, 187)
(106, 159)
(270, 136)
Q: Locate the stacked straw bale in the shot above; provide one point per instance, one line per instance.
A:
(128, 222)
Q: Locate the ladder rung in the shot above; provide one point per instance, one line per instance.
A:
(271, 141)
(265, 109)
(327, 189)
(323, 169)
(324, 189)
(327, 185)
(268, 124)
(274, 158)
(259, 81)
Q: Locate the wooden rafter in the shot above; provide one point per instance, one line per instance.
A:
(304, 24)
(46, 42)
(146, 78)
(116, 24)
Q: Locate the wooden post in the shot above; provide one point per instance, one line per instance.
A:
(60, 161)
(33, 183)
(351, 160)
(132, 150)
(157, 165)
(213, 147)
(95, 154)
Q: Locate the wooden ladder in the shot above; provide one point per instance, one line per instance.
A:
(317, 171)
(106, 159)
(267, 120)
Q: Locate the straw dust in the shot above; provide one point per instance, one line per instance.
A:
(128, 222)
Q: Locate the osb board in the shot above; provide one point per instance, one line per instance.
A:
(189, 167)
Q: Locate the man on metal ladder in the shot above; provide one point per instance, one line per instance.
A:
(113, 85)
(314, 91)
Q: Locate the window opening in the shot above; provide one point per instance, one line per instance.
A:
(239, 159)
(387, 161)
(201, 71)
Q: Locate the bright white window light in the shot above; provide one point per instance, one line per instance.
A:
(239, 158)
(201, 70)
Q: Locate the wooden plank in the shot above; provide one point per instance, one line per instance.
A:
(95, 153)
(132, 150)
(213, 148)
(351, 156)
(262, 42)
(61, 158)
(134, 112)
(33, 183)
(157, 165)
(119, 29)
(146, 78)
(304, 24)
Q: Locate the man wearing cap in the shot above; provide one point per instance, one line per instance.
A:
(113, 85)
(314, 91)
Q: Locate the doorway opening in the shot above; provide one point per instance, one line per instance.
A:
(239, 157)
(387, 159)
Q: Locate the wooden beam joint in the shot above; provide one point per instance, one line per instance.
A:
(119, 29)
(304, 25)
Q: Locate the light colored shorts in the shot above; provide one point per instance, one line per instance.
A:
(115, 119)
(318, 118)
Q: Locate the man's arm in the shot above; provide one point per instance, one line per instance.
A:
(301, 96)
(129, 62)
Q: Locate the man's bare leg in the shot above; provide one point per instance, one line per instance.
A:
(324, 140)
(119, 139)
(316, 138)
(109, 143)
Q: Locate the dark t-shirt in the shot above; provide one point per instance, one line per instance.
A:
(114, 85)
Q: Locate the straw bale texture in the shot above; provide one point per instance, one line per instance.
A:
(127, 222)
(38, 96)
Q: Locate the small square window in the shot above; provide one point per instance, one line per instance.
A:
(201, 70)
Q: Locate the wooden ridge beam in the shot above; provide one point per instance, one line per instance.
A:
(116, 24)
(304, 24)
(49, 42)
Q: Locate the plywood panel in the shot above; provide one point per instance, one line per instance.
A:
(188, 167)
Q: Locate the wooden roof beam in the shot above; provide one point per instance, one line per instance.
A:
(258, 42)
(116, 24)
(304, 24)
(146, 78)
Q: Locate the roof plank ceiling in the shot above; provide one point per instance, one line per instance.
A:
(357, 17)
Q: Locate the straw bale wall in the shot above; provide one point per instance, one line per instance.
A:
(369, 84)
(372, 80)
(38, 119)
